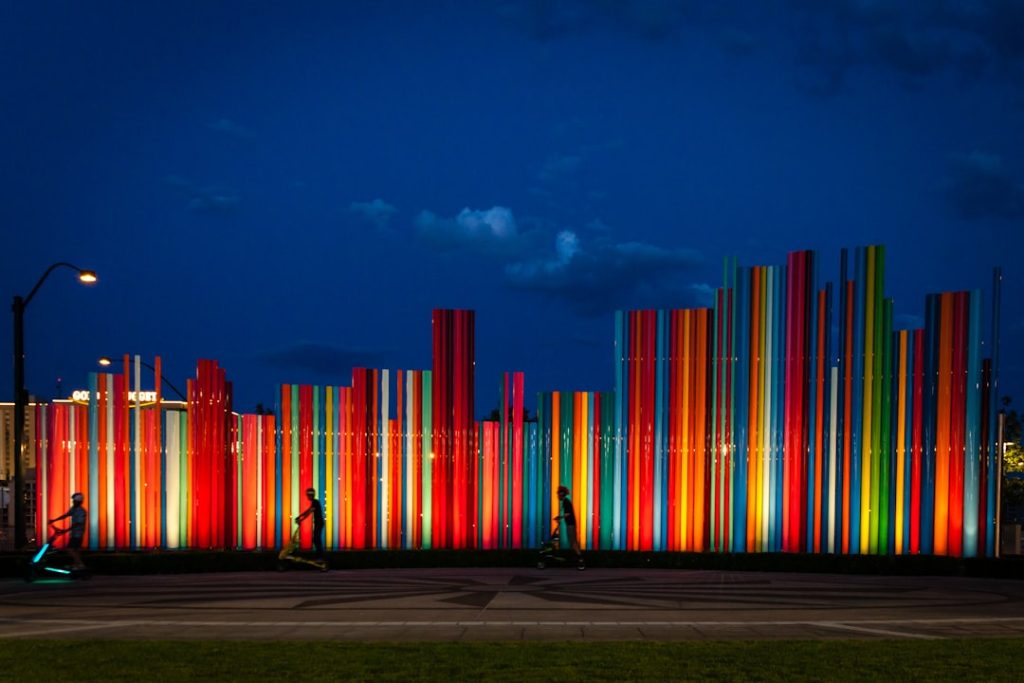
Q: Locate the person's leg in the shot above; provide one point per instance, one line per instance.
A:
(574, 540)
(318, 541)
(73, 545)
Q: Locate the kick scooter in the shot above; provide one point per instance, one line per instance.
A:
(42, 562)
(548, 554)
(288, 554)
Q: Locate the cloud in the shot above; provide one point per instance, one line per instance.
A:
(322, 359)
(998, 23)
(736, 41)
(178, 181)
(703, 293)
(231, 128)
(981, 187)
(824, 56)
(602, 275)
(913, 40)
(213, 201)
(559, 166)
(491, 230)
(908, 321)
(377, 212)
(912, 53)
(545, 20)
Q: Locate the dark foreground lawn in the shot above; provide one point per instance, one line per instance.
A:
(841, 660)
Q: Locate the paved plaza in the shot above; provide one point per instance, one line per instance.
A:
(512, 604)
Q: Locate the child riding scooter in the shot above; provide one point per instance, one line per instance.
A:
(41, 561)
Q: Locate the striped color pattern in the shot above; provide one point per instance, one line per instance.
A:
(787, 416)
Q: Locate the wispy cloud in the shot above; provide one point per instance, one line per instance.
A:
(908, 321)
(912, 53)
(601, 275)
(213, 201)
(559, 166)
(912, 40)
(702, 293)
(736, 41)
(322, 359)
(231, 128)
(490, 230)
(547, 20)
(587, 269)
(980, 186)
(377, 212)
(210, 199)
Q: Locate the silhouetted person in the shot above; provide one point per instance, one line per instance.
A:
(76, 533)
(568, 518)
(317, 511)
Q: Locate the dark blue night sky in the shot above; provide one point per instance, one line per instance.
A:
(292, 190)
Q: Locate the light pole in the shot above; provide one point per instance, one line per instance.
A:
(105, 361)
(20, 395)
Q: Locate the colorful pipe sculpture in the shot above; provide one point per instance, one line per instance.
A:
(786, 417)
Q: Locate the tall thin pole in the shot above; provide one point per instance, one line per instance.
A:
(20, 404)
(997, 295)
(997, 286)
(20, 396)
(1000, 447)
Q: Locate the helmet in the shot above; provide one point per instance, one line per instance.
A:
(77, 497)
(563, 489)
(310, 492)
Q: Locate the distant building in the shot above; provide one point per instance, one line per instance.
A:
(7, 472)
(7, 441)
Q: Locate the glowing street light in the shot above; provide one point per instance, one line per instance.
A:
(20, 395)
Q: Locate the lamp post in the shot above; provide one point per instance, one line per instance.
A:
(20, 395)
(105, 361)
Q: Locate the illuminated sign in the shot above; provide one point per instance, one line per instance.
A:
(144, 397)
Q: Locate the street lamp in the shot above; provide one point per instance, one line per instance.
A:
(105, 361)
(18, 307)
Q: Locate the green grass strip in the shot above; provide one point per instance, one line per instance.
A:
(838, 660)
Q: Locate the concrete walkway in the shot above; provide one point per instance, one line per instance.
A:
(512, 604)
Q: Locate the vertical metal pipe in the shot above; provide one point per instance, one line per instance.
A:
(1000, 435)
(20, 402)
